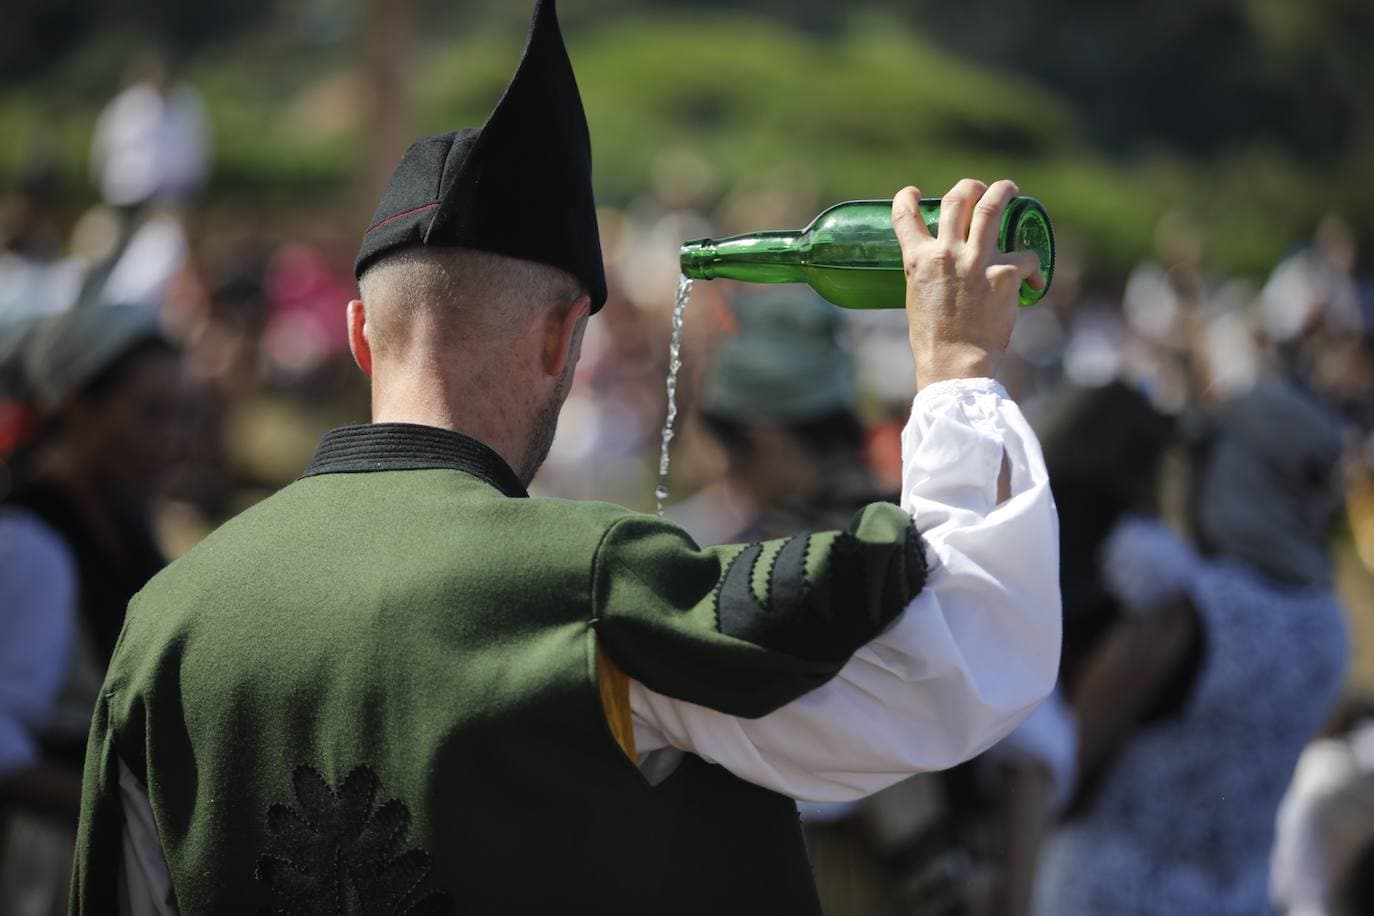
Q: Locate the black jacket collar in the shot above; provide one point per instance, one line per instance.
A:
(410, 447)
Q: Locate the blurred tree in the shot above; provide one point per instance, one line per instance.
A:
(39, 33)
(388, 52)
(1257, 113)
(1205, 76)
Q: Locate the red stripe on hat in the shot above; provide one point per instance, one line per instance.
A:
(392, 219)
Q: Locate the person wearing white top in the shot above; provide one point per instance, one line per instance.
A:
(152, 141)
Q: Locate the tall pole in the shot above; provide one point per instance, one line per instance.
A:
(388, 49)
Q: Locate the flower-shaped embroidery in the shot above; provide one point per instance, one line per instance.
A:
(338, 854)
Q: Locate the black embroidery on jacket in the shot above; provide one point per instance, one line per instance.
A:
(863, 587)
(787, 582)
(736, 603)
(338, 854)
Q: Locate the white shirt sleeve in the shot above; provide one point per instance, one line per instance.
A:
(38, 586)
(968, 659)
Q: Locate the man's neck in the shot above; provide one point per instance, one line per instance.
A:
(466, 409)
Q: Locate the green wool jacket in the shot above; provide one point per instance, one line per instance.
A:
(377, 692)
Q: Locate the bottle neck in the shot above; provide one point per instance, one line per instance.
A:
(759, 257)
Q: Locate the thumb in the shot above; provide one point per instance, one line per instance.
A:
(1027, 264)
(907, 223)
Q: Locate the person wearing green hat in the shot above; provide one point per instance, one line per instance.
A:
(401, 685)
(75, 545)
(779, 398)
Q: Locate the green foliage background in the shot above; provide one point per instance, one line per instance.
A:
(1252, 116)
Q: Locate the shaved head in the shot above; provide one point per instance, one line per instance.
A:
(463, 296)
(471, 341)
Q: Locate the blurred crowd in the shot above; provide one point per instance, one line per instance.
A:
(165, 362)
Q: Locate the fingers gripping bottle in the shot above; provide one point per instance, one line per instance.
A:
(850, 255)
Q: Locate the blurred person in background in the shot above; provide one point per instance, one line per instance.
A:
(145, 263)
(75, 544)
(35, 276)
(1318, 326)
(1103, 447)
(1312, 289)
(613, 418)
(150, 154)
(779, 400)
(1192, 716)
(1162, 305)
(1022, 784)
(18, 416)
(152, 141)
(1323, 861)
(1356, 893)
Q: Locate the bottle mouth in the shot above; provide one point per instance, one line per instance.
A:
(696, 257)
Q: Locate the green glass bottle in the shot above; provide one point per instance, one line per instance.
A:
(849, 254)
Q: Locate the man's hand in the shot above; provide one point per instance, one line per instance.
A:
(961, 289)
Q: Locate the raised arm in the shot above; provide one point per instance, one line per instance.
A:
(978, 647)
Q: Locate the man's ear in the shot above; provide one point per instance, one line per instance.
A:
(358, 344)
(560, 334)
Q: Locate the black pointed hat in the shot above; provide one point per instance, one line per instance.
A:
(519, 186)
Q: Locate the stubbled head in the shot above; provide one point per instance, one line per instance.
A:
(465, 296)
(496, 338)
